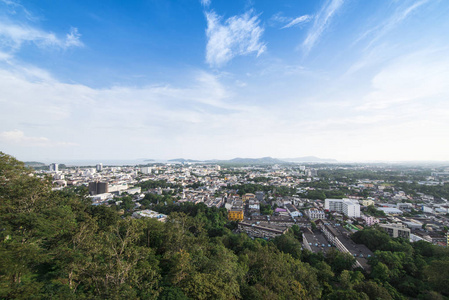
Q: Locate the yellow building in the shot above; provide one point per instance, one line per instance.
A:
(235, 215)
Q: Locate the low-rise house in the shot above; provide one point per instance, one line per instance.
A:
(293, 211)
(314, 214)
(253, 204)
(369, 220)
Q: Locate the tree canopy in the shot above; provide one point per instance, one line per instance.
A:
(55, 244)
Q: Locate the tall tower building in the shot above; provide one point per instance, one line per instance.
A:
(53, 167)
(96, 188)
(99, 167)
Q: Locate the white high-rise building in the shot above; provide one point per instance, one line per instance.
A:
(350, 208)
(54, 167)
(146, 170)
(99, 167)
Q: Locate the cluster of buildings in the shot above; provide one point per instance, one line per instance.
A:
(325, 224)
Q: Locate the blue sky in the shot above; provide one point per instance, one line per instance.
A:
(344, 79)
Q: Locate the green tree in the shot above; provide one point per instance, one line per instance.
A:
(339, 261)
(438, 276)
(347, 295)
(373, 290)
(287, 243)
(380, 272)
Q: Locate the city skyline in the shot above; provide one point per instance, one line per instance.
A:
(347, 80)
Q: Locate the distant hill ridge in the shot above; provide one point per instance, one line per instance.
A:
(34, 164)
(309, 159)
(184, 160)
(262, 160)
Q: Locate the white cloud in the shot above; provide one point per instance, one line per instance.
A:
(17, 9)
(394, 20)
(19, 27)
(19, 137)
(5, 56)
(33, 100)
(279, 17)
(322, 21)
(238, 35)
(289, 21)
(204, 118)
(73, 38)
(13, 36)
(205, 2)
(420, 76)
(297, 21)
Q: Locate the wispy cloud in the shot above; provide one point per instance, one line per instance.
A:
(27, 92)
(238, 35)
(5, 56)
(202, 109)
(16, 9)
(13, 36)
(73, 38)
(18, 137)
(321, 23)
(416, 77)
(279, 17)
(289, 21)
(19, 27)
(205, 2)
(298, 21)
(401, 13)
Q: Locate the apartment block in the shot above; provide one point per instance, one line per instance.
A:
(350, 208)
(396, 230)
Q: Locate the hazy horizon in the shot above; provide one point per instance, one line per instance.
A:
(213, 79)
(141, 161)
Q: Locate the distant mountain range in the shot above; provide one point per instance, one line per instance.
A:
(309, 159)
(260, 161)
(183, 160)
(237, 160)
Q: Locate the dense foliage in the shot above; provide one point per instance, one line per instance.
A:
(410, 268)
(373, 211)
(351, 175)
(439, 191)
(54, 244)
(152, 184)
(252, 188)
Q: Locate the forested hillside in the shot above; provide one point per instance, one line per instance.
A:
(55, 244)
